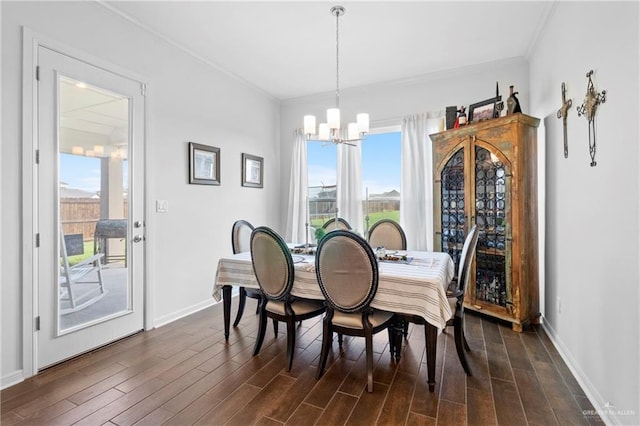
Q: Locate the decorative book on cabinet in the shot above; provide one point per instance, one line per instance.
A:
(486, 173)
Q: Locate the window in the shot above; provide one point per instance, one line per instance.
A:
(381, 176)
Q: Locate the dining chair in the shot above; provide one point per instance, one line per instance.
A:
(273, 267)
(240, 242)
(456, 297)
(388, 234)
(347, 272)
(334, 223)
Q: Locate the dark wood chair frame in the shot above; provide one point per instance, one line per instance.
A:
(243, 292)
(367, 330)
(394, 223)
(290, 318)
(457, 321)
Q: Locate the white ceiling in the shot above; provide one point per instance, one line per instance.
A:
(287, 49)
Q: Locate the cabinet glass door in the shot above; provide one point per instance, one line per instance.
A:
(452, 200)
(492, 206)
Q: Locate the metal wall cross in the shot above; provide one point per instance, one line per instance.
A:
(588, 108)
(563, 112)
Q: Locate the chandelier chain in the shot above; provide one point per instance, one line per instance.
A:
(337, 59)
(332, 131)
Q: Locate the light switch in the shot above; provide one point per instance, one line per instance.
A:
(162, 206)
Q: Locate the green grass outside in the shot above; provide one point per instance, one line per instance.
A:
(373, 218)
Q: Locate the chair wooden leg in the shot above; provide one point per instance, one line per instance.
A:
(458, 335)
(431, 340)
(242, 298)
(369, 354)
(340, 341)
(262, 327)
(291, 340)
(397, 334)
(275, 328)
(327, 337)
(405, 330)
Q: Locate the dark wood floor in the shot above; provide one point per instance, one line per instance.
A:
(184, 373)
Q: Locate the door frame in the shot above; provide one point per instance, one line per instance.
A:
(31, 42)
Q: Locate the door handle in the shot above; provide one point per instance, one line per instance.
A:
(138, 238)
(137, 224)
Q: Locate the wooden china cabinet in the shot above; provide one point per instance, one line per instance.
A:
(485, 173)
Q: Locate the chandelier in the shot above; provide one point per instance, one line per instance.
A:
(331, 130)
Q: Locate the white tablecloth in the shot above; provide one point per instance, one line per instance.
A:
(417, 288)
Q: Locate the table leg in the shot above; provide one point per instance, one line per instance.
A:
(431, 338)
(226, 309)
(398, 335)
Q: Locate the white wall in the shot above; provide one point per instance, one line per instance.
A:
(592, 213)
(187, 101)
(388, 103)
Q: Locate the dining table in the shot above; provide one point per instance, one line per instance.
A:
(411, 284)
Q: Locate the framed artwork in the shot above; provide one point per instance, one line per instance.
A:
(204, 164)
(252, 170)
(484, 110)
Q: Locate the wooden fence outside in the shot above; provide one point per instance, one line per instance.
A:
(325, 208)
(80, 215)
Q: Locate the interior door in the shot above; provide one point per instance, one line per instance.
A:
(90, 214)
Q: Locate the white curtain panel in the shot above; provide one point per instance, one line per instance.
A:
(297, 211)
(349, 185)
(416, 188)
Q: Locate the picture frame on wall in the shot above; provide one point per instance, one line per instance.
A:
(252, 171)
(484, 110)
(204, 164)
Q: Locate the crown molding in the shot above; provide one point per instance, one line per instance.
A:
(460, 72)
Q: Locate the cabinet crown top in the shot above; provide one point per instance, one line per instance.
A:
(474, 127)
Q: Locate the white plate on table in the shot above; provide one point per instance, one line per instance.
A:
(297, 259)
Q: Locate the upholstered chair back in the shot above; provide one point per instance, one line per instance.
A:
(347, 271)
(272, 263)
(388, 234)
(468, 250)
(333, 224)
(241, 236)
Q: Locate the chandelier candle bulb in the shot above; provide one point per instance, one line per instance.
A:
(309, 124)
(333, 118)
(353, 131)
(363, 122)
(323, 132)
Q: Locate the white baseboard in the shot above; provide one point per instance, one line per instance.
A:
(159, 322)
(608, 414)
(11, 379)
